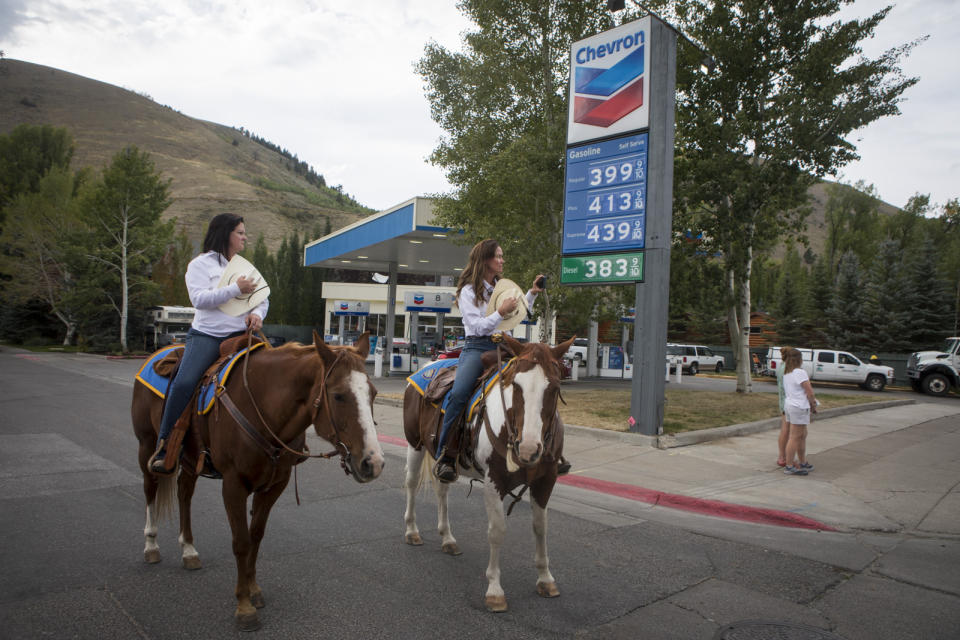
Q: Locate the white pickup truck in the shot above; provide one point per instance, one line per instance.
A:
(827, 365)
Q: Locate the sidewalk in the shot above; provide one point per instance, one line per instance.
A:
(894, 469)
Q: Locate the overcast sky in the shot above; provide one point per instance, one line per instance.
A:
(333, 81)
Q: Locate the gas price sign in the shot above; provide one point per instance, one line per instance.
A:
(605, 196)
(603, 269)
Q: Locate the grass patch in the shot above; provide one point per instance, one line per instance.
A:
(685, 410)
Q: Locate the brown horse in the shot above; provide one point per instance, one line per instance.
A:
(519, 444)
(290, 388)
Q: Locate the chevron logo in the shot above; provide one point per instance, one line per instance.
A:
(344, 306)
(621, 86)
(417, 299)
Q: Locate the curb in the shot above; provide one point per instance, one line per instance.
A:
(669, 441)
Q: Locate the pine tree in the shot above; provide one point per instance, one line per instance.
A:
(846, 322)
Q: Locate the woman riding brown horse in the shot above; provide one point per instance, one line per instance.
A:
(255, 435)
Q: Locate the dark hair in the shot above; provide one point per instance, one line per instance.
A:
(218, 233)
(476, 268)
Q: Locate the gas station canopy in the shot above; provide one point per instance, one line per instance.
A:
(404, 235)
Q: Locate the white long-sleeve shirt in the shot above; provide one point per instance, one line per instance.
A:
(203, 276)
(476, 322)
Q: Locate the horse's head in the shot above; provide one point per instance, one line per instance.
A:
(535, 381)
(343, 411)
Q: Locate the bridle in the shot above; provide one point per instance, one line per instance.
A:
(512, 447)
(320, 402)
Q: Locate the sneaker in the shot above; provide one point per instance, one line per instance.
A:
(793, 471)
(806, 466)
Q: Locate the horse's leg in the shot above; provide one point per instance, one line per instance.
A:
(546, 585)
(412, 484)
(188, 553)
(495, 599)
(235, 497)
(449, 543)
(151, 551)
(262, 504)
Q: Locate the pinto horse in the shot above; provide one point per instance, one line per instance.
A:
(519, 442)
(288, 389)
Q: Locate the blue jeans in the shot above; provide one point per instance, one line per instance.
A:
(469, 368)
(200, 351)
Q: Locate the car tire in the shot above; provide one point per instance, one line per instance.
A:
(936, 384)
(719, 367)
(578, 357)
(694, 368)
(875, 382)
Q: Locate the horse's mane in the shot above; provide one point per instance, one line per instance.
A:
(299, 350)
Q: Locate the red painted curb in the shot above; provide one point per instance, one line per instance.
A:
(716, 508)
(758, 515)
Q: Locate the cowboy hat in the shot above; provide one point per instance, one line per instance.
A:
(508, 289)
(243, 303)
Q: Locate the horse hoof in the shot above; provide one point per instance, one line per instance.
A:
(414, 539)
(256, 599)
(451, 549)
(496, 604)
(248, 621)
(548, 589)
(152, 556)
(191, 562)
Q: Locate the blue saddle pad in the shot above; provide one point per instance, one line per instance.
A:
(150, 378)
(422, 378)
(208, 393)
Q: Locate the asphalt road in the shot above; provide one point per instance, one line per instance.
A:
(336, 566)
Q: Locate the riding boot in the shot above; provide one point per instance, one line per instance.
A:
(563, 467)
(446, 468)
(166, 458)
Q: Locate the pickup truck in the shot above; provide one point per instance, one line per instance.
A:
(827, 365)
(934, 372)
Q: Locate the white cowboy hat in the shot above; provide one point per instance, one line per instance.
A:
(243, 303)
(508, 289)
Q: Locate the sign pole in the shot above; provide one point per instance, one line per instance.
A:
(653, 295)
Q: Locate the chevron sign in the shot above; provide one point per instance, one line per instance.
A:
(608, 94)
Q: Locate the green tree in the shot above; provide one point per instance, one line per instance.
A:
(36, 240)
(26, 154)
(949, 232)
(887, 301)
(790, 87)
(847, 323)
(853, 221)
(127, 235)
(169, 272)
(817, 303)
(502, 102)
(928, 299)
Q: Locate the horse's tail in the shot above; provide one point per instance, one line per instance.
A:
(426, 469)
(166, 494)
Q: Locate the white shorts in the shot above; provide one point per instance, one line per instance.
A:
(796, 415)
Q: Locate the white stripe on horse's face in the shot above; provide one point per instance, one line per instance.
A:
(534, 385)
(360, 387)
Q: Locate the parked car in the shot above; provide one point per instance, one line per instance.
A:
(934, 372)
(837, 366)
(695, 358)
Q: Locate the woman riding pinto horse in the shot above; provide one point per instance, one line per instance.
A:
(519, 444)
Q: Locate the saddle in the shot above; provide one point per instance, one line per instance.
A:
(434, 381)
(203, 399)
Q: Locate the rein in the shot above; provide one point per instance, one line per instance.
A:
(274, 452)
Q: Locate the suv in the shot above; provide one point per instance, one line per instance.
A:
(695, 357)
(934, 372)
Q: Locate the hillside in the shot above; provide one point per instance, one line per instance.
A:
(213, 168)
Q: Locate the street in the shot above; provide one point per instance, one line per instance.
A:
(336, 566)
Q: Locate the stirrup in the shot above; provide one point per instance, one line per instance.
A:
(157, 462)
(563, 467)
(445, 478)
(205, 466)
